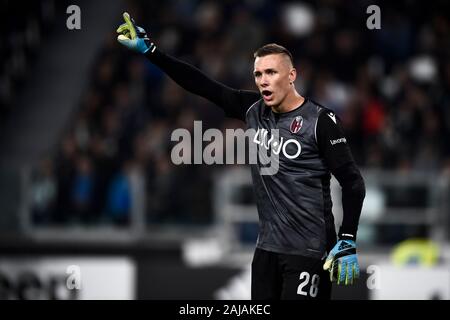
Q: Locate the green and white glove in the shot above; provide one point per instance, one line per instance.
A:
(134, 37)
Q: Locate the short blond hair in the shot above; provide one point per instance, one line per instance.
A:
(273, 48)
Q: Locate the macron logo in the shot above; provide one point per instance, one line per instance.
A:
(341, 140)
(332, 117)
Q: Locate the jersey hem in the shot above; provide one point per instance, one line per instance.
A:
(316, 254)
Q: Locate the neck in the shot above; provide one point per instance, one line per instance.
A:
(290, 102)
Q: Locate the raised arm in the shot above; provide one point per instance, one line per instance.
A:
(234, 102)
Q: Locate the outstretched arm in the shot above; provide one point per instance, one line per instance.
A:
(234, 102)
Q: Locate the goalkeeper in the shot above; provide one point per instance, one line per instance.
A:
(298, 254)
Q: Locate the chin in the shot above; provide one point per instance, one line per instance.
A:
(270, 103)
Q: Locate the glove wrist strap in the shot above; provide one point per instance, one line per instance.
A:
(150, 47)
(346, 236)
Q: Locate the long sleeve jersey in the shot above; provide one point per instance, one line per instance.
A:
(294, 204)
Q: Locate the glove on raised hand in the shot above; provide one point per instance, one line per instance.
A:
(134, 37)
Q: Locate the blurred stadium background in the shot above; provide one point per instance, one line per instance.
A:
(86, 176)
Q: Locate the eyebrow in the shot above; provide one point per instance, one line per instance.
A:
(265, 70)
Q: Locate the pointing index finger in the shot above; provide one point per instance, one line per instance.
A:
(130, 24)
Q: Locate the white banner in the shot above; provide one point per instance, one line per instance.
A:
(411, 283)
(67, 278)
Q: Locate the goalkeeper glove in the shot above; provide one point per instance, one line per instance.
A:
(134, 37)
(342, 262)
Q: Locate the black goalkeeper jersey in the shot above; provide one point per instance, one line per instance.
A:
(294, 204)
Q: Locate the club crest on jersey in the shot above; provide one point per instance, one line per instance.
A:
(296, 124)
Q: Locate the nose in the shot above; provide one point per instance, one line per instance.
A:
(264, 82)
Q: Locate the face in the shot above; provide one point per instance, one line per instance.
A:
(274, 77)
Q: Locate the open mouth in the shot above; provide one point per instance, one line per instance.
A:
(267, 95)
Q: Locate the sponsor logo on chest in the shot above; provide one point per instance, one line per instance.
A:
(290, 148)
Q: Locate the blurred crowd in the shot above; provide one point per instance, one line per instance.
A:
(389, 86)
(23, 28)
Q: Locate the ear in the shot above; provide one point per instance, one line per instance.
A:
(292, 75)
